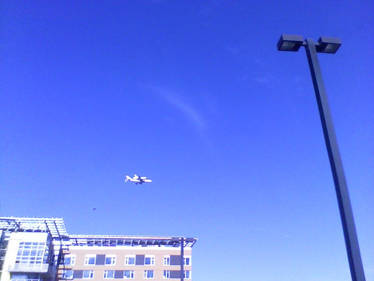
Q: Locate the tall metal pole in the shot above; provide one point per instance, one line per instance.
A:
(346, 214)
(182, 258)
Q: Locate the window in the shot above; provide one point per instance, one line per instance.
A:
(32, 253)
(67, 274)
(88, 274)
(129, 260)
(148, 274)
(149, 260)
(90, 259)
(110, 260)
(166, 260)
(166, 274)
(69, 260)
(128, 274)
(187, 260)
(108, 274)
(187, 274)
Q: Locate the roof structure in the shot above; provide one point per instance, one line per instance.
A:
(55, 226)
(120, 240)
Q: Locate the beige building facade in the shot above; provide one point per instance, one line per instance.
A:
(121, 257)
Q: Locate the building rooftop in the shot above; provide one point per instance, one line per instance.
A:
(121, 240)
(56, 227)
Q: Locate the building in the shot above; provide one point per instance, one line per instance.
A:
(30, 248)
(40, 249)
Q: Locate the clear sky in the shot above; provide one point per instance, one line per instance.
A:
(194, 95)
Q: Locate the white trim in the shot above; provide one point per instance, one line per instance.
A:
(106, 273)
(163, 260)
(167, 271)
(87, 258)
(91, 274)
(152, 259)
(64, 272)
(130, 256)
(72, 259)
(187, 257)
(113, 260)
(132, 274)
(145, 274)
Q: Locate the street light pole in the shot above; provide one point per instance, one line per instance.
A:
(345, 208)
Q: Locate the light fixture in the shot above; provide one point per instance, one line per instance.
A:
(328, 45)
(290, 43)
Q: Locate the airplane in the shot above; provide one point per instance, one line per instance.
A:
(137, 179)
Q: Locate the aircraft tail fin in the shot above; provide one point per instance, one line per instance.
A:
(127, 178)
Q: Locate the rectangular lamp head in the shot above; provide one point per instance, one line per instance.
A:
(328, 45)
(290, 43)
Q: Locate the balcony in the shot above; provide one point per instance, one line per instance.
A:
(27, 267)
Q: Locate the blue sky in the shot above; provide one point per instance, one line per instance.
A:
(194, 95)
